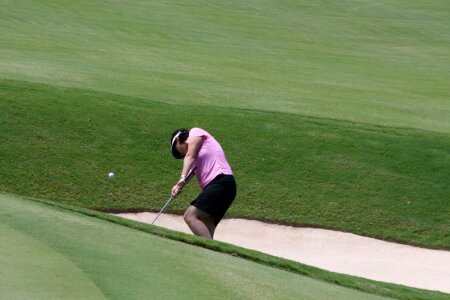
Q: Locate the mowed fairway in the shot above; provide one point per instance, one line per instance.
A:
(49, 253)
(383, 62)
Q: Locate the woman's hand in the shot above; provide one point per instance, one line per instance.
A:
(176, 190)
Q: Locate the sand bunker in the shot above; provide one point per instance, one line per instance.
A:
(330, 250)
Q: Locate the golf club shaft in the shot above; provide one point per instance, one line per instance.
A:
(164, 207)
(186, 180)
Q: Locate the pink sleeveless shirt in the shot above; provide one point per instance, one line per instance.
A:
(211, 160)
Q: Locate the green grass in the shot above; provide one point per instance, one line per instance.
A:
(383, 63)
(49, 253)
(332, 113)
(377, 181)
(31, 269)
(61, 251)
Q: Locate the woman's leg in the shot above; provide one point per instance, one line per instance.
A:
(200, 222)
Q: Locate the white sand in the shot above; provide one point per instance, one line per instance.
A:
(330, 250)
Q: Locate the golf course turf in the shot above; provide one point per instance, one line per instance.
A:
(383, 182)
(332, 114)
(51, 253)
(58, 251)
(383, 62)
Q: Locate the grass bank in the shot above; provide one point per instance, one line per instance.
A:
(60, 143)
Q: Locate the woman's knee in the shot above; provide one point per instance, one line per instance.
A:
(193, 214)
(189, 215)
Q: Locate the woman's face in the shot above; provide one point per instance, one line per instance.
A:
(182, 148)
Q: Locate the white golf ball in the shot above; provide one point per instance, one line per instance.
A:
(111, 175)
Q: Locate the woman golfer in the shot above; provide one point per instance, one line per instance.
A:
(200, 150)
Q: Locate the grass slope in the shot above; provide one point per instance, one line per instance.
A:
(51, 253)
(31, 269)
(60, 143)
(383, 62)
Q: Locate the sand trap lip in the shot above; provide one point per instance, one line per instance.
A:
(330, 250)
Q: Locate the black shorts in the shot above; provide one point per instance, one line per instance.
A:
(217, 196)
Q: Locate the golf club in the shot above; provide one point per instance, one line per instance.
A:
(186, 180)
